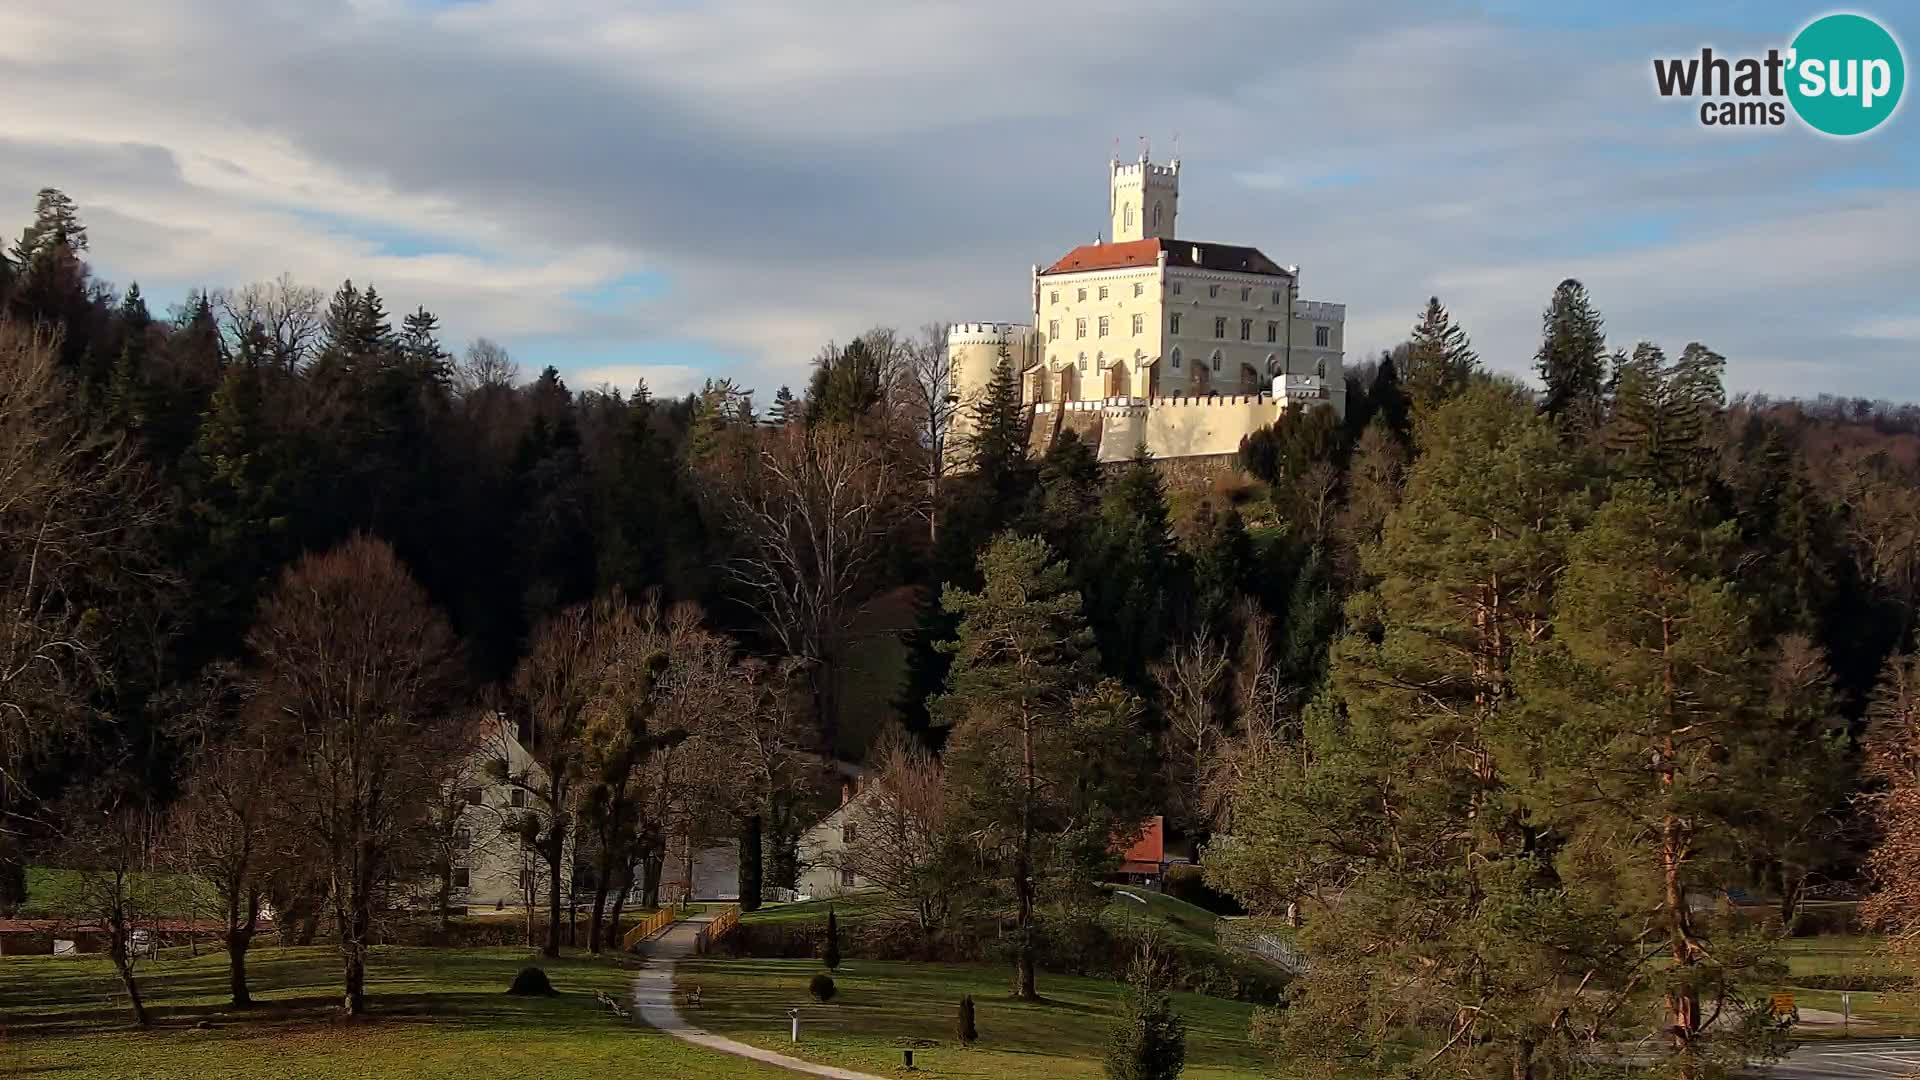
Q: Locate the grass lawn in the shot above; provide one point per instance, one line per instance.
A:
(884, 1007)
(1895, 1013)
(437, 1013)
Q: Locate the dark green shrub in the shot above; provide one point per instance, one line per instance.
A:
(964, 1029)
(1189, 883)
(1874, 983)
(1150, 1041)
(531, 982)
(822, 988)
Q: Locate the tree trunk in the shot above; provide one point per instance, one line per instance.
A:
(445, 900)
(553, 853)
(750, 865)
(117, 948)
(596, 924)
(652, 867)
(237, 944)
(1023, 871)
(619, 905)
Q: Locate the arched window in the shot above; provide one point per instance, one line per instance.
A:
(1320, 367)
(1216, 359)
(1129, 215)
(1176, 357)
(1156, 215)
(1273, 364)
(1083, 361)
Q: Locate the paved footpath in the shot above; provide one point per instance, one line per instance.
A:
(653, 1000)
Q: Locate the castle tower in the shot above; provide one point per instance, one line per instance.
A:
(975, 349)
(1143, 199)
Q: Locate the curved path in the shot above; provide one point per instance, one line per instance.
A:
(653, 1001)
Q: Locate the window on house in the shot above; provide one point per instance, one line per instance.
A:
(1053, 329)
(1213, 291)
(1103, 292)
(1104, 320)
(462, 838)
(846, 878)
(1176, 358)
(1174, 323)
(1246, 294)
(526, 881)
(849, 832)
(1323, 336)
(1220, 327)
(1176, 288)
(1273, 332)
(473, 796)
(1083, 294)
(1276, 296)
(1139, 324)
(1053, 296)
(1139, 288)
(460, 877)
(518, 798)
(1079, 328)
(1246, 329)
(1216, 359)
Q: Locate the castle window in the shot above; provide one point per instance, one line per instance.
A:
(1103, 325)
(1053, 329)
(1156, 215)
(1213, 292)
(1216, 359)
(461, 875)
(1246, 294)
(1174, 323)
(1138, 288)
(1079, 328)
(1083, 294)
(1053, 296)
(1139, 323)
(1273, 332)
(1083, 361)
(1103, 292)
(1276, 296)
(1220, 327)
(1129, 215)
(1320, 367)
(1176, 357)
(1246, 329)
(1176, 288)
(1323, 336)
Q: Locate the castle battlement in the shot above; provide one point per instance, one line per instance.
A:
(1130, 168)
(1319, 311)
(986, 333)
(1134, 406)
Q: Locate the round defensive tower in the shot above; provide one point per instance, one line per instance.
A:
(976, 349)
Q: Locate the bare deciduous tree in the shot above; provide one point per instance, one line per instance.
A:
(897, 836)
(931, 404)
(75, 509)
(110, 846)
(1193, 685)
(812, 509)
(360, 681)
(282, 314)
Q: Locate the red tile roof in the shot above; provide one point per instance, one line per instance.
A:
(1149, 850)
(1190, 253)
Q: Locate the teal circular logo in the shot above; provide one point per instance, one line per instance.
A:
(1845, 74)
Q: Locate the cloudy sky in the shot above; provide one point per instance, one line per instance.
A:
(670, 189)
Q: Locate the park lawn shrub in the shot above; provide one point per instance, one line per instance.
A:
(532, 982)
(964, 1028)
(821, 988)
(1860, 981)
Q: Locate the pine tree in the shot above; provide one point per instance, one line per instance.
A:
(1149, 1040)
(1658, 428)
(1045, 768)
(340, 326)
(847, 387)
(1134, 576)
(1440, 357)
(1572, 360)
(998, 443)
(964, 1029)
(56, 228)
(831, 955)
(1643, 744)
(419, 339)
(785, 408)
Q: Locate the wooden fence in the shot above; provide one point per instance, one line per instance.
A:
(655, 923)
(720, 927)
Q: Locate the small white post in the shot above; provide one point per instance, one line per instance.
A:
(795, 1015)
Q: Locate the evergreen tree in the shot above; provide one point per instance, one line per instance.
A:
(964, 1029)
(1572, 360)
(1658, 429)
(420, 339)
(1043, 768)
(1440, 357)
(1641, 742)
(126, 403)
(847, 387)
(998, 443)
(1134, 576)
(831, 956)
(785, 408)
(1149, 1041)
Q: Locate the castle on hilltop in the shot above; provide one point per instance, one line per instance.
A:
(1182, 345)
